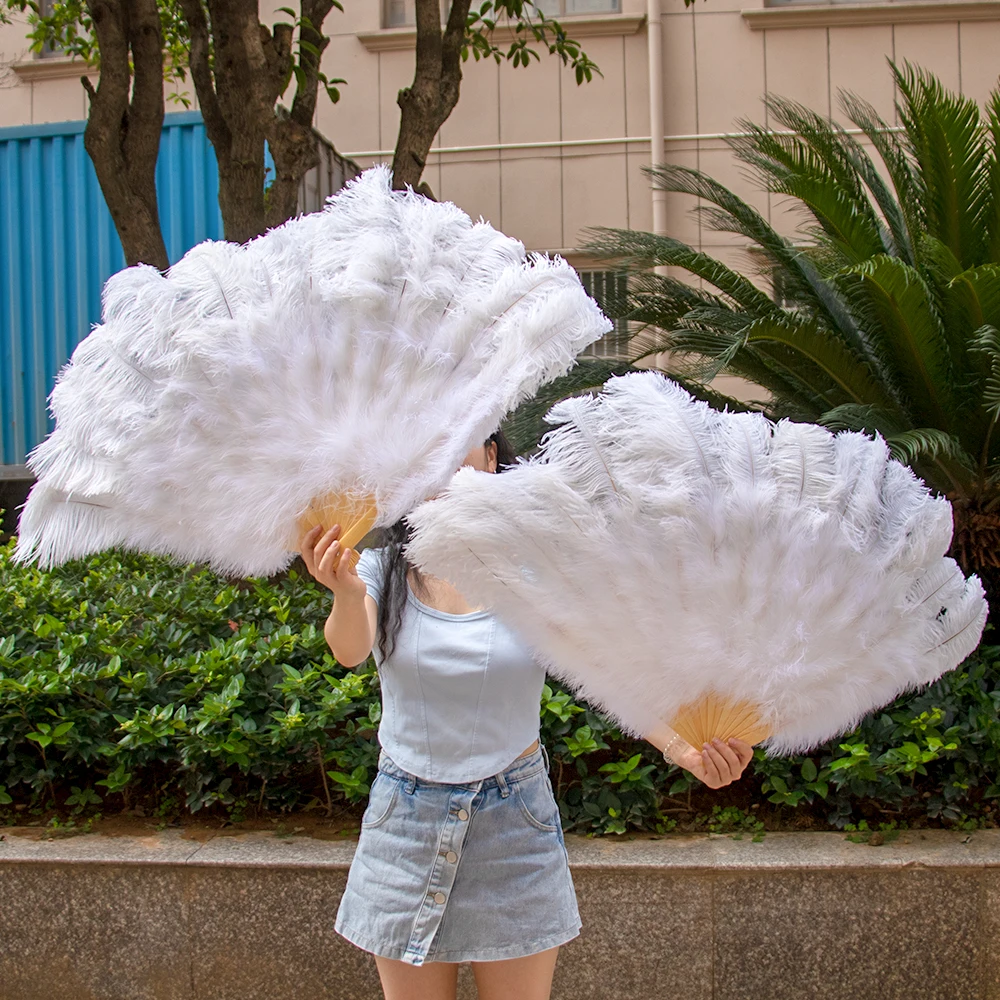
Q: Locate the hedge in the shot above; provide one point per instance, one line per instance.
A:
(126, 680)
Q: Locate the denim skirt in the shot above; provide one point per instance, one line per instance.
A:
(460, 873)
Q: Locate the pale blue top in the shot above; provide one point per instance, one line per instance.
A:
(460, 693)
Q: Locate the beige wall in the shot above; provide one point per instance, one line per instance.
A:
(719, 60)
(720, 57)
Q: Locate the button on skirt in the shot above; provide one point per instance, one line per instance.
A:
(460, 873)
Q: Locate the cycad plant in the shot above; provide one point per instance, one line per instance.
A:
(888, 317)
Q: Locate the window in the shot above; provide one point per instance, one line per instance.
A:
(402, 13)
(609, 289)
(398, 14)
(45, 9)
(814, 3)
(567, 8)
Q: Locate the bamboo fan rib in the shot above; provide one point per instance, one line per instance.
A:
(337, 368)
(356, 516)
(715, 716)
(714, 572)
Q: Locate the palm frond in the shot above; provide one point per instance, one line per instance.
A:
(971, 303)
(703, 351)
(801, 279)
(637, 250)
(849, 372)
(898, 242)
(986, 341)
(660, 300)
(811, 165)
(897, 310)
(525, 426)
(903, 213)
(862, 417)
(927, 443)
(948, 141)
(991, 220)
(732, 214)
(775, 362)
(978, 289)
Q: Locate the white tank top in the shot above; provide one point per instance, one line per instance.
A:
(460, 693)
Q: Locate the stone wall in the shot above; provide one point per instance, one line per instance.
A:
(250, 917)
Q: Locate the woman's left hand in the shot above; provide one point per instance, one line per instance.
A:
(718, 764)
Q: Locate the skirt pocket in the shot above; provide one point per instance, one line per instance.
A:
(381, 799)
(538, 804)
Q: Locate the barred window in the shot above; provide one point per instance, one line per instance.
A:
(609, 289)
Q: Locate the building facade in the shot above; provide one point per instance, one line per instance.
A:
(544, 159)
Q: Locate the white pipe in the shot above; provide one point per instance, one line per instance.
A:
(559, 143)
(497, 146)
(654, 29)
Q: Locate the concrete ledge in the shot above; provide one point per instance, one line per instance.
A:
(577, 26)
(700, 918)
(53, 68)
(829, 15)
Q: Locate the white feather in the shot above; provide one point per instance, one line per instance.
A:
(657, 552)
(361, 350)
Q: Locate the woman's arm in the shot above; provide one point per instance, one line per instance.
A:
(350, 627)
(717, 764)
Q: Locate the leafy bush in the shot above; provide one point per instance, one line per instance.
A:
(125, 681)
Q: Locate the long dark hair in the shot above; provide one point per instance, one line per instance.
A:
(396, 567)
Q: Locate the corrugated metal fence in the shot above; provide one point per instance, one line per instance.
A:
(58, 246)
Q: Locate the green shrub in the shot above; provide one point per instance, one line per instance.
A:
(125, 680)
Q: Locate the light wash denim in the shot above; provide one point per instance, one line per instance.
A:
(460, 693)
(471, 872)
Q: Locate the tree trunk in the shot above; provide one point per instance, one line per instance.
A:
(426, 104)
(238, 88)
(122, 136)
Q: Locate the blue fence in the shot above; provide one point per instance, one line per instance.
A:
(58, 246)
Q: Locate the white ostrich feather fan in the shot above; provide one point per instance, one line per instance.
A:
(713, 571)
(335, 369)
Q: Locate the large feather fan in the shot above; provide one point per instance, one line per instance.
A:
(713, 571)
(335, 369)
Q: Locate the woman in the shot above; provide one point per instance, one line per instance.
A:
(461, 855)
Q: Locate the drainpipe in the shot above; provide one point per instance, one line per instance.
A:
(654, 28)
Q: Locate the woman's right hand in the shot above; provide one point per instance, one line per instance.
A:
(332, 565)
(717, 764)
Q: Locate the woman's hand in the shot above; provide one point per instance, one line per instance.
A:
(718, 764)
(332, 565)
